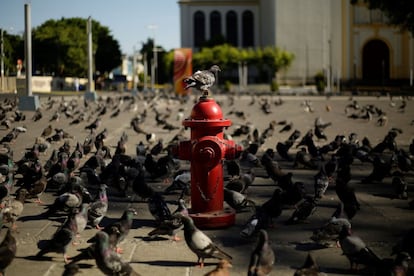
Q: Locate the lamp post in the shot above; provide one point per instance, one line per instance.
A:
(154, 63)
(134, 70)
(2, 60)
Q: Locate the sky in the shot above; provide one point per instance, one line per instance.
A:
(131, 22)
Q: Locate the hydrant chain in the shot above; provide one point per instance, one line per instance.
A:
(202, 194)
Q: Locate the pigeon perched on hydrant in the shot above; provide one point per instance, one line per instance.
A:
(202, 80)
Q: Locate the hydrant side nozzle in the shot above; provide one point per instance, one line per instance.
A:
(233, 151)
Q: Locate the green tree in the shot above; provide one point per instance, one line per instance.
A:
(147, 52)
(13, 50)
(400, 13)
(270, 59)
(60, 48)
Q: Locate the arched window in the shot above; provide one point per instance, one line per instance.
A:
(248, 29)
(376, 61)
(231, 28)
(215, 25)
(199, 29)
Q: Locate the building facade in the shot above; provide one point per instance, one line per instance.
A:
(349, 43)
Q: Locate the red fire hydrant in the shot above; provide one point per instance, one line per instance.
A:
(207, 150)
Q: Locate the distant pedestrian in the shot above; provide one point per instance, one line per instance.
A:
(76, 83)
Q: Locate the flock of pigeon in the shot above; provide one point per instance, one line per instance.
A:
(83, 174)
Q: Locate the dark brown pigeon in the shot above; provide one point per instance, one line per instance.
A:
(263, 257)
(7, 251)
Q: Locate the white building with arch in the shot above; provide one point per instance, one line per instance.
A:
(348, 42)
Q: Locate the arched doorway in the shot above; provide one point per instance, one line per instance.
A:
(376, 62)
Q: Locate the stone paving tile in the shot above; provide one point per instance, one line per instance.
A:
(379, 223)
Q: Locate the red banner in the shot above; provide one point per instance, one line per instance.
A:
(183, 67)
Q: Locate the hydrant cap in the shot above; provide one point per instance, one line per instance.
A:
(206, 109)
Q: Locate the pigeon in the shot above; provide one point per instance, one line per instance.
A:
(355, 249)
(94, 125)
(158, 208)
(181, 182)
(303, 210)
(14, 208)
(286, 128)
(304, 159)
(37, 115)
(263, 257)
(264, 215)
(71, 269)
(98, 209)
(123, 225)
(37, 189)
(222, 269)
(172, 225)
(283, 149)
(107, 260)
(141, 187)
(331, 229)
(47, 131)
(233, 168)
(400, 187)
(81, 218)
(237, 200)
(320, 134)
(406, 243)
(309, 268)
(88, 253)
(66, 201)
(323, 178)
(247, 179)
(202, 80)
(346, 193)
(399, 266)
(8, 249)
(201, 244)
(60, 239)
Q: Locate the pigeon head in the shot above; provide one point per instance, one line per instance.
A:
(215, 69)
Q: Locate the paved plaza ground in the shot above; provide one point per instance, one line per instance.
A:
(380, 222)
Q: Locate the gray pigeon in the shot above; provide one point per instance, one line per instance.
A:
(331, 229)
(172, 225)
(202, 80)
(81, 218)
(263, 257)
(237, 200)
(303, 210)
(123, 225)
(14, 207)
(355, 249)
(60, 240)
(99, 208)
(88, 253)
(200, 243)
(107, 260)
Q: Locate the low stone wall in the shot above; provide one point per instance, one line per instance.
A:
(43, 84)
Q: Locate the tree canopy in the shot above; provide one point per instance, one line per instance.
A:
(400, 13)
(269, 60)
(60, 48)
(13, 50)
